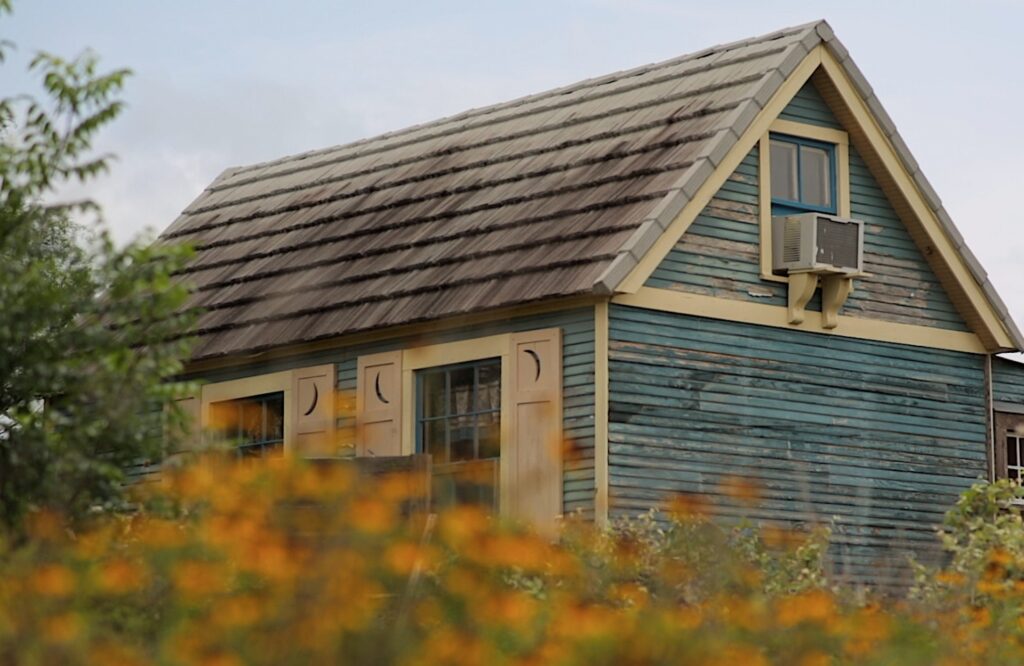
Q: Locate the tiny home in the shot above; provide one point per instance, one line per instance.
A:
(648, 283)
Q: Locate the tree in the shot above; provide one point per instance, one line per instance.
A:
(88, 331)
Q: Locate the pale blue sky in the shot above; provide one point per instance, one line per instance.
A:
(220, 83)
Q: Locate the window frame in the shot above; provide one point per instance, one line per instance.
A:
(797, 205)
(451, 353)
(246, 450)
(420, 418)
(813, 134)
(1005, 421)
(247, 387)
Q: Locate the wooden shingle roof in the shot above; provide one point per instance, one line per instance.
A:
(549, 196)
(528, 200)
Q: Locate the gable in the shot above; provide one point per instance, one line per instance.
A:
(720, 253)
(883, 152)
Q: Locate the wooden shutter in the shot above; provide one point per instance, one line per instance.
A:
(379, 405)
(313, 410)
(534, 456)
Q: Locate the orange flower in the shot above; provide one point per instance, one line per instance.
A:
(816, 606)
(53, 580)
(120, 576)
(195, 579)
(741, 489)
(403, 557)
(685, 507)
(372, 516)
(62, 628)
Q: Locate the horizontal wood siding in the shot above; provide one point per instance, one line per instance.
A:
(719, 255)
(876, 438)
(578, 385)
(1008, 381)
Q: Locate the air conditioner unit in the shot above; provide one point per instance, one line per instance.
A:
(817, 243)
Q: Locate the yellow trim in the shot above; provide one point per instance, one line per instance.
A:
(921, 210)
(460, 351)
(809, 131)
(601, 499)
(653, 258)
(424, 330)
(775, 316)
(842, 142)
(248, 386)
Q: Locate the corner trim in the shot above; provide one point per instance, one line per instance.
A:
(601, 405)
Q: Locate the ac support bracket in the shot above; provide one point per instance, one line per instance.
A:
(835, 289)
(801, 289)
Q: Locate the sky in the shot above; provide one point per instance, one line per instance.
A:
(220, 83)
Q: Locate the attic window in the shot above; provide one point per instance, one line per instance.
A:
(802, 175)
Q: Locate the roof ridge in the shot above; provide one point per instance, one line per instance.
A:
(519, 101)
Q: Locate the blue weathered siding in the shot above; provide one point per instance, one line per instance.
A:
(578, 384)
(720, 253)
(877, 437)
(1008, 381)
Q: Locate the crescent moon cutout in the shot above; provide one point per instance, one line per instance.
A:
(380, 396)
(536, 359)
(316, 396)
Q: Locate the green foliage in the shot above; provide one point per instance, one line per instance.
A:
(985, 520)
(88, 330)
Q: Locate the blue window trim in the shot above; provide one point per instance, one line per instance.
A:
(420, 374)
(785, 206)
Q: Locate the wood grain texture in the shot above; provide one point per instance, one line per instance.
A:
(1008, 381)
(720, 253)
(876, 438)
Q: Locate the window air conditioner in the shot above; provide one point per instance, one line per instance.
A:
(817, 243)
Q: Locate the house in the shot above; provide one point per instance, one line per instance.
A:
(727, 264)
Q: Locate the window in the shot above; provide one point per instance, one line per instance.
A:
(273, 414)
(1014, 462)
(1009, 435)
(488, 411)
(803, 168)
(803, 175)
(458, 423)
(255, 424)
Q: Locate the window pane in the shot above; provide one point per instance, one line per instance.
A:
(275, 417)
(462, 431)
(433, 442)
(488, 393)
(815, 180)
(783, 170)
(489, 434)
(1011, 451)
(433, 396)
(461, 390)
